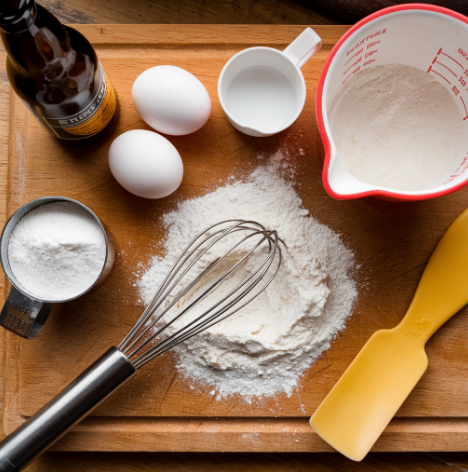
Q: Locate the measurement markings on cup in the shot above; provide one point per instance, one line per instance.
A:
(364, 50)
(462, 168)
(451, 66)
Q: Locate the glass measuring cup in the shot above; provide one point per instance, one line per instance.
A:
(25, 314)
(430, 38)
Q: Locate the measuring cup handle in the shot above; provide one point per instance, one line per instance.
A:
(23, 315)
(304, 47)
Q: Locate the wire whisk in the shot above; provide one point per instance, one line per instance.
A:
(142, 343)
(202, 277)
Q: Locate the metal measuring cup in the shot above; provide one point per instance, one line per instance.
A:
(25, 314)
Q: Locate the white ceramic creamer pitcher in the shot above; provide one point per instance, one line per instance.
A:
(262, 90)
(427, 37)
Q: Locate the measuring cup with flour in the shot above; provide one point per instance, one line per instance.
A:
(433, 41)
(53, 250)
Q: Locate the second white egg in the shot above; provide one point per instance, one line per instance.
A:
(146, 163)
(171, 100)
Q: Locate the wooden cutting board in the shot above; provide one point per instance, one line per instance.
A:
(158, 410)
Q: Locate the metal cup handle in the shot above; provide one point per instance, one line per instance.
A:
(23, 315)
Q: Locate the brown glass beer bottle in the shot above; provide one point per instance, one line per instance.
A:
(55, 71)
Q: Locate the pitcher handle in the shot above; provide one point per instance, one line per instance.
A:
(304, 47)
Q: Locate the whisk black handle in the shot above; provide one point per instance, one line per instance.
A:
(68, 408)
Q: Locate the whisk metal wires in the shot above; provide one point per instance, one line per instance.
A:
(192, 282)
(143, 343)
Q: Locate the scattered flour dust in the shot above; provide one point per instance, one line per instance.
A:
(396, 126)
(264, 348)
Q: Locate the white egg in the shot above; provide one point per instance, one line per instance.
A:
(171, 100)
(145, 163)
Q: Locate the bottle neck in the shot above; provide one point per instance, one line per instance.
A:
(17, 16)
(40, 44)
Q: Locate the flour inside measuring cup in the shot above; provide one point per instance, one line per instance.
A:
(395, 126)
(57, 251)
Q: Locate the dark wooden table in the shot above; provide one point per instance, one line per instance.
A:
(198, 12)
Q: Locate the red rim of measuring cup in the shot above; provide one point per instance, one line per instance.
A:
(319, 107)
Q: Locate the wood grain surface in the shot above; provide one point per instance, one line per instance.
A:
(186, 11)
(78, 332)
(158, 410)
(291, 12)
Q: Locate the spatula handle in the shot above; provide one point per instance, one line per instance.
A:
(64, 411)
(443, 288)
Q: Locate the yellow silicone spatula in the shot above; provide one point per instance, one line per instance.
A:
(361, 404)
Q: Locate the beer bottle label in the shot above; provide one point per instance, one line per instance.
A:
(95, 116)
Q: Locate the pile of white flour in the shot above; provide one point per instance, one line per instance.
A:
(264, 348)
(395, 126)
(57, 251)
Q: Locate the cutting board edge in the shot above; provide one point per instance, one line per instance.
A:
(173, 35)
(247, 435)
(228, 435)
